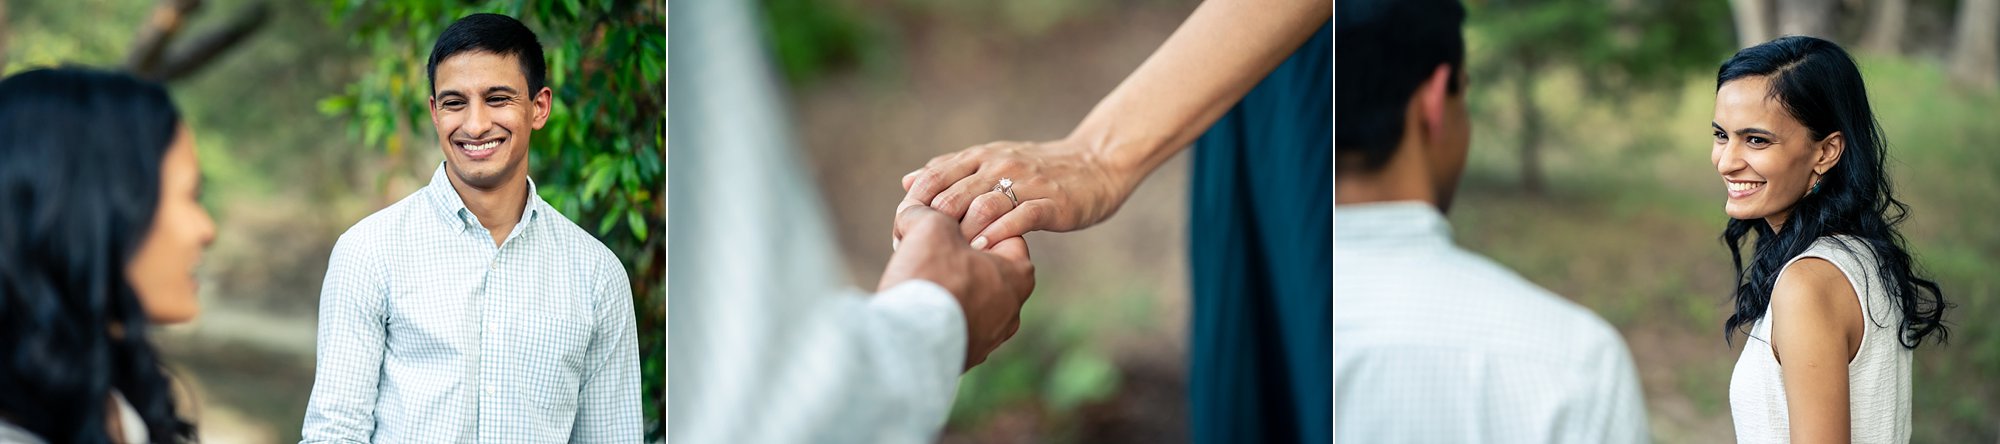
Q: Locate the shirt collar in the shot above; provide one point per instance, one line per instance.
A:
(1401, 223)
(452, 209)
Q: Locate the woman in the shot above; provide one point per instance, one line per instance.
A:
(100, 229)
(1830, 302)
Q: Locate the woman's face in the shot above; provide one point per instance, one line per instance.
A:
(162, 272)
(1767, 159)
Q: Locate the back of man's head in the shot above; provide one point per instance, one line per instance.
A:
(496, 34)
(1384, 50)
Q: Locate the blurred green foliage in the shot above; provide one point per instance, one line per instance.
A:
(600, 158)
(1627, 47)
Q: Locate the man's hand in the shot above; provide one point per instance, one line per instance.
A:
(990, 285)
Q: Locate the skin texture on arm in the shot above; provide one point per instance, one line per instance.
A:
(1815, 331)
(1207, 65)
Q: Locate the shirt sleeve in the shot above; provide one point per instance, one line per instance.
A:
(1618, 397)
(608, 408)
(919, 330)
(351, 333)
(836, 367)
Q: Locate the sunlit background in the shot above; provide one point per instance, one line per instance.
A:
(313, 118)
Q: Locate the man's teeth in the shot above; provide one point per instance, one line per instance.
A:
(1744, 186)
(480, 147)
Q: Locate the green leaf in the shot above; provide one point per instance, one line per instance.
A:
(638, 224)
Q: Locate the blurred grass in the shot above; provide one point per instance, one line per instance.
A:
(1631, 227)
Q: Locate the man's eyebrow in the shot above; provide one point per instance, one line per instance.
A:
(450, 92)
(501, 88)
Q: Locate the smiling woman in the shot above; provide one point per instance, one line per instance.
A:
(1829, 349)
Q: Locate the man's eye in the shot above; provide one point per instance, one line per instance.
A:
(454, 103)
(498, 100)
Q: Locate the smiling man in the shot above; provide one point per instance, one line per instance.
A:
(471, 311)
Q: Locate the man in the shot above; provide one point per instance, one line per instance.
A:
(1438, 344)
(765, 341)
(471, 311)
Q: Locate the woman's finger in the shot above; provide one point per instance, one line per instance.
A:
(957, 199)
(1032, 215)
(938, 176)
(984, 210)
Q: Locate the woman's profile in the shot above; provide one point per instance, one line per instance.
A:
(100, 230)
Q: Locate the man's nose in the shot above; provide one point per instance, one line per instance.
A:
(477, 121)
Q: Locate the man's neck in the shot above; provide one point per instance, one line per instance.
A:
(1401, 179)
(498, 209)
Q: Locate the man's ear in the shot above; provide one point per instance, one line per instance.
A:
(543, 100)
(1830, 149)
(1431, 97)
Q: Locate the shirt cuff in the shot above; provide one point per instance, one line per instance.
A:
(935, 328)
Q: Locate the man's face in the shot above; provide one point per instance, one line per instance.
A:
(484, 113)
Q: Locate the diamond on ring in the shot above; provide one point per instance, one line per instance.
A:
(1006, 187)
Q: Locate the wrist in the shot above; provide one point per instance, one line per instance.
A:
(1114, 160)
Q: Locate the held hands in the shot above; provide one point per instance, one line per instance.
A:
(1061, 186)
(990, 285)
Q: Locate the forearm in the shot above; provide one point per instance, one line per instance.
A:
(1223, 49)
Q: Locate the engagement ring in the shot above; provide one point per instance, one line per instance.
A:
(1006, 187)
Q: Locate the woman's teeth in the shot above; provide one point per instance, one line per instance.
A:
(479, 147)
(1744, 186)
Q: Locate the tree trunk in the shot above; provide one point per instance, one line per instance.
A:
(1807, 17)
(1531, 131)
(1753, 21)
(1885, 27)
(1975, 52)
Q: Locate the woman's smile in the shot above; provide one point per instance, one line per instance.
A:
(1739, 189)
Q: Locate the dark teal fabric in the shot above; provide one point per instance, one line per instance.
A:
(1261, 253)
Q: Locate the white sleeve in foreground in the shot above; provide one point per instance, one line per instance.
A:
(923, 319)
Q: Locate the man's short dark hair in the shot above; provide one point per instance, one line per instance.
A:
(492, 33)
(1384, 50)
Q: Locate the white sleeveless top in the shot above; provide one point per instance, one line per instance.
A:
(1878, 379)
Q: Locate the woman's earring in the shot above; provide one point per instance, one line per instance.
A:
(1815, 187)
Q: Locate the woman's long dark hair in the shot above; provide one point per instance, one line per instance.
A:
(80, 158)
(1821, 87)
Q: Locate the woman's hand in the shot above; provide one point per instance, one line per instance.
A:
(1061, 185)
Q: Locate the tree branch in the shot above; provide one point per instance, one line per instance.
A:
(201, 50)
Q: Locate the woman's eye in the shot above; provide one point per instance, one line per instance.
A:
(1720, 137)
(1759, 141)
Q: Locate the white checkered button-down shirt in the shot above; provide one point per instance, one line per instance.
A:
(1433, 343)
(428, 333)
